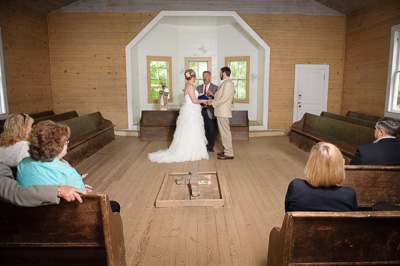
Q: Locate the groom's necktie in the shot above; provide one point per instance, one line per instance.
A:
(205, 89)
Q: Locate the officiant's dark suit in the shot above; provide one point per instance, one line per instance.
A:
(208, 111)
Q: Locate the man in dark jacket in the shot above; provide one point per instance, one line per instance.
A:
(385, 150)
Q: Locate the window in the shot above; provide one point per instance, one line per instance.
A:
(158, 77)
(240, 70)
(393, 84)
(199, 65)
(3, 91)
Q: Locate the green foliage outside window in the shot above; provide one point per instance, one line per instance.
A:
(238, 76)
(199, 67)
(158, 77)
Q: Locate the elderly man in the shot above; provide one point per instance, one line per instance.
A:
(385, 150)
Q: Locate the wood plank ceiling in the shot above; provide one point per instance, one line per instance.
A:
(345, 7)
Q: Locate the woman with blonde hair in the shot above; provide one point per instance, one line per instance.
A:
(14, 143)
(321, 191)
(189, 142)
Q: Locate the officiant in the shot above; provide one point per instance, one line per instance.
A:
(207, 112)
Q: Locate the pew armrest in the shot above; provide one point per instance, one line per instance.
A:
(275, 247)
(114, 236)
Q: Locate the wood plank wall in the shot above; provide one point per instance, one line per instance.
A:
(88, 59)
(367, 56)
(26, 58)
(299, 40)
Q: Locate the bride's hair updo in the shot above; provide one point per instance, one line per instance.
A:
(189, 73)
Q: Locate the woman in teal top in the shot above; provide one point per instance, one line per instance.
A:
(48, 144)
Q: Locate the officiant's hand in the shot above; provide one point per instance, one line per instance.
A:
(209, 93)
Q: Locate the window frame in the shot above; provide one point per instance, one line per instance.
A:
(247, 59)
(393, 69)
(3, 90)
(199, 59)
(169, 81)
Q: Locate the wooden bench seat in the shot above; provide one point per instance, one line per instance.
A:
(70, 233)
(57, 118)
(366, 117)
(160, 125)
(373, 184)
(336, 238)
(89, 134)
(312, 129)
(349, 119)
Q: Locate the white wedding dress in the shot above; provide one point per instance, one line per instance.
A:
(189, 142)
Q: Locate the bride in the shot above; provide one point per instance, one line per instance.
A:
(189, 142)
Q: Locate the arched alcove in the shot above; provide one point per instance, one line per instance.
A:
(181, 34)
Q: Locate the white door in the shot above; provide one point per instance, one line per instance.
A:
(310, 90)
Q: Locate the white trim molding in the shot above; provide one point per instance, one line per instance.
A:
(240, 22)
(394, 61)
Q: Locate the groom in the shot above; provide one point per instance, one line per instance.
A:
(223, 104)
(207, 112)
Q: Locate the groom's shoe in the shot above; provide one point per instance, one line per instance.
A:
(224, 157)
(220, 153)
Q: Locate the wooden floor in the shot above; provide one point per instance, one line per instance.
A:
(236, 234)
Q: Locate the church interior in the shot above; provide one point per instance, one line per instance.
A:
(92, 56)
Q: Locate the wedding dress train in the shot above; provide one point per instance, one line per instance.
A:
(189, 142)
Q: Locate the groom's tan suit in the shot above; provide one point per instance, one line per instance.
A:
(223, 103)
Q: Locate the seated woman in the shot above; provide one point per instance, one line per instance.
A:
(48, 145)
(321, 191)
(13, 141)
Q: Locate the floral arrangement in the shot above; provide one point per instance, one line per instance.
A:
(163, 86)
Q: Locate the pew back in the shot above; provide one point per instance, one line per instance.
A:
(373, 184)
(339, 238)
(312, 129)
(34, 116)
(70, 233)
(372, 118)
(160, 125)
(350, 119)
(42, 114)
(58, 117)
(89, 134)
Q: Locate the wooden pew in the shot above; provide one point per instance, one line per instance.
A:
(160, 125)
(89, 134)
(42, 114)
(70, 233)
(58, 118)
(373, 184)
(239, 124)
(336, 238)
(371, 118)
(34, 116)
(312, 129)
(350, 119)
